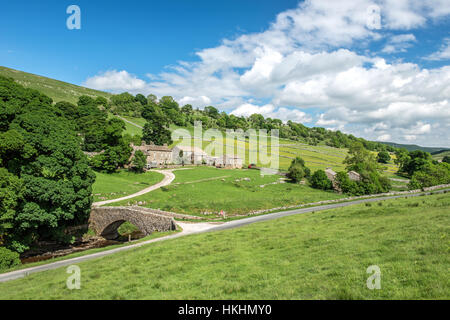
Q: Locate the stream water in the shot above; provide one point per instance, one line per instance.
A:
(48, 251)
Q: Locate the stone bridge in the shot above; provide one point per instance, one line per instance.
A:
(105, 220)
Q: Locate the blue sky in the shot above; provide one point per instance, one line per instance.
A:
(374, 68)
(140, 37)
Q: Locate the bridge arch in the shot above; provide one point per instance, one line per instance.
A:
(106, 220)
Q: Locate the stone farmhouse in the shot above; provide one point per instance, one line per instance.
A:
(353, 175)
(160, 156)
(157, 156)
(190, 155)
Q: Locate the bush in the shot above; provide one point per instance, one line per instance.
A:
(430, 175)
(346, 185)
(296, 173)
(383, 157)
(319, 180)
(8, 259)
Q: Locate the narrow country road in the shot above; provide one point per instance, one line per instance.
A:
(168, 178)
(197, 228)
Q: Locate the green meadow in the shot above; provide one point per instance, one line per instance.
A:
(205, 191)
(116, 185)
(322, 255)
(316, 157)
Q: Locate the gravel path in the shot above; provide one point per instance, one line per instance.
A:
(168, 178)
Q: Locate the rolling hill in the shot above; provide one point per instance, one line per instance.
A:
(55, 89)
(414, 147)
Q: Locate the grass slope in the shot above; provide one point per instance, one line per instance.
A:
(441, 155)
(57, 90)
(205, 191)
(321, 255)
(316, 157)
(122, 183)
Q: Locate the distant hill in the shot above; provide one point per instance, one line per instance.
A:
(413, 147)
(57, 90)
(441, 154)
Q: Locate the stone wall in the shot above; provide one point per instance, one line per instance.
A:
(105, 220)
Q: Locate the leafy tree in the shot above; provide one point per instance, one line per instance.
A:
(156, 128)
(70, 111)
(446, 159)
(430, 175)
(359, 159)
(139, 161)
(301, 162)
(319, 180)
(212, 112)
(11, 195)
(296, 173)
(126, 104)
(141, 99)
(297, 170)
(151, 98)
(346, 185)
(383, 157)
(187, 109)
(415, 161)
(102, 103)
(48, 184)
(8, 259)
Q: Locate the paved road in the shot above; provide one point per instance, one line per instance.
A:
(168, 178)
(197, 228)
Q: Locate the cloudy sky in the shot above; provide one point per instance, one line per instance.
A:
(376, 68)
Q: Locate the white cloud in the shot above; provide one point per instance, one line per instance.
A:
(399, 43)
(202, 100)
(384, 137)
(443, 53)
(306, 59)
(115, 81)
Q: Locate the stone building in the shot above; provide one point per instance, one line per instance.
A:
(228, 162)
(353, 175)
(191, 155)
(157, 156)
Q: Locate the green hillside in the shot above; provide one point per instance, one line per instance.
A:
(322, 255)
(57, 90)
(440, 155)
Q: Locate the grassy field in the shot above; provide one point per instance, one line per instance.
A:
(441, 155)
(57, 90)
(316, 157)
(321, 255)
(205, 191)
(122, 183)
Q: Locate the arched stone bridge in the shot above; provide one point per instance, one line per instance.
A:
(105, 220)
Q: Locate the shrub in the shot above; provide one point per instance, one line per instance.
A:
(297, 170)
(8, 259)
(383, 157)
(296, 173)
(319, 180)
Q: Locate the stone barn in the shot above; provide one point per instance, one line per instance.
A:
(157, 156)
